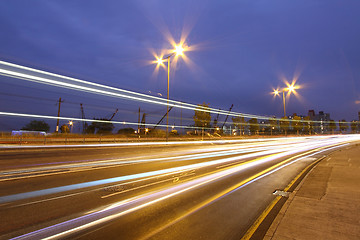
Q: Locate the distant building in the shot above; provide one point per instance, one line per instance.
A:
(322, 121)
(359, 116)
(311, 114)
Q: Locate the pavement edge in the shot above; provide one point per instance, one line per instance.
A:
(266, 222)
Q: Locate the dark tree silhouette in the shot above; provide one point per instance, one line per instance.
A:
(104, 127)
(35, 125)
(253, 126)
(202, 118)
(65, 128)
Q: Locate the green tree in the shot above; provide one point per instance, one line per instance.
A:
(253, 126)
(35, 125)
(332, 126)
(64, 128)
(308, 125)
(202, 116)
(343, 125)
(354, 126)
(284, 125)
(297, 124)
(273, 125)
(240, 123)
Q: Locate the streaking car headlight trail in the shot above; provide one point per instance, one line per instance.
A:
(246, 164)
(287, 150)
(121, 208)
(57, 80)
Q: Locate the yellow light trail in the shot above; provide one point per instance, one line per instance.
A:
(121, 208)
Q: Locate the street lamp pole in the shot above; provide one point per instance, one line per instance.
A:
(291, 88)
(178, 51)
(161, 60)
(167, 105)
(283, 92)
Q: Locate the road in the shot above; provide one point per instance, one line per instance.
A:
(209, 190)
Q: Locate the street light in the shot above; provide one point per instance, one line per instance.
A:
(177, 51)
(277, 93)
(71, 123)
(290, 89)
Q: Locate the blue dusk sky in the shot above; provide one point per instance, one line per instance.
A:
(240, 51)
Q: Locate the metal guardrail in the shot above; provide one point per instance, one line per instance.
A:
(44, 140)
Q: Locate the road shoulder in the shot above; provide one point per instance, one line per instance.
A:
(325, 205)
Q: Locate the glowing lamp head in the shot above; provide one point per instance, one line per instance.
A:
(159, 61)
(291, 88)
(179, 50)
(71, 123)
(276, 92)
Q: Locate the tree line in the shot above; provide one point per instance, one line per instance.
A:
(297, 125)
(240, 126)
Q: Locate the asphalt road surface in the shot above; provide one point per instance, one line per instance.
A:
(210, 190)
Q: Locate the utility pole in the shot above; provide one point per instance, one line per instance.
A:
(139, 123)
(84, 124)
(181, 120)
(57, 122)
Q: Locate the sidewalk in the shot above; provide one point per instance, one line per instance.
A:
(326, 205)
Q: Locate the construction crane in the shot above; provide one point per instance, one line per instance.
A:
(112, 116)
(143, 120)
(215, 123)
(227, 116)
(84, 123)
(163, 117)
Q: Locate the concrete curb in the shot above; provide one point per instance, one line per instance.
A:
(307, 213)
(273, 227)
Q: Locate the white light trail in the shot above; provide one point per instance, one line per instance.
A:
(121, 208)
(30, 74)
(43, 192)
(11, 114)
(73, 83)
(80, 166)
(289, 150)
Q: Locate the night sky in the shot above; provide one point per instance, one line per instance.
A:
(241, 50)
